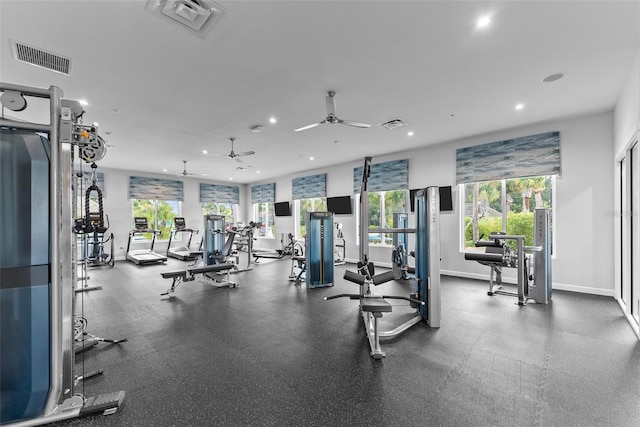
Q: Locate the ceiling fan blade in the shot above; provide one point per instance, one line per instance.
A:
(237, 159)
(246, 153)
(354, 124)
(309, 126)
(331, 104)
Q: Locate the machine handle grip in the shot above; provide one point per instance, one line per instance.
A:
(350, 296)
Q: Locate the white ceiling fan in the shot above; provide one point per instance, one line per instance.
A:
(331, 116)
(233, 155)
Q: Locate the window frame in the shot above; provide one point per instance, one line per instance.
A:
(230, 219)
(504, 214)
(154, 221)
(382, 218)
(298, 214)
(270, 226)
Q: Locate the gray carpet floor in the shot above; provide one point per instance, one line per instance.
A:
(270, 353)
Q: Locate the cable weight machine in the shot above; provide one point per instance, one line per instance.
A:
(425, 297)
(38, 265)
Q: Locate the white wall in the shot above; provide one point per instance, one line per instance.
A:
(584, 252)
(627, 110)
(584, 257)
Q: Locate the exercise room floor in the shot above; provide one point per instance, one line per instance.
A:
(270, 353)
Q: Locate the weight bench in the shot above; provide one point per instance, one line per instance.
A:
(190, 274)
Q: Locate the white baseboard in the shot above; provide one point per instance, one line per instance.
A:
(512, 281)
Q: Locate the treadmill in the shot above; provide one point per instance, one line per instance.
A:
(183, 253)
(143, 256)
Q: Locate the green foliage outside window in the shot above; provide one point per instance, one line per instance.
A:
(317, 204)
(382, 206)
(159, 214)
(486, 211)
(226, 209)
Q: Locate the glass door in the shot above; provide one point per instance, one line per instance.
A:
(634, 213)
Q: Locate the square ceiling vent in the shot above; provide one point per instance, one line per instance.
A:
(198, 16)
(40, 58)
(394, 124)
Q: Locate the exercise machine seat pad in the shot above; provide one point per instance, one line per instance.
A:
(210, 268)
(172, 274)
(375, 305)
(484, 257)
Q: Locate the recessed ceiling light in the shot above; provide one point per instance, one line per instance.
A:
(553, 77)
(204, 151)
(272, 120)
(230, 178)
(257, 171)
(483, 21)
(410, 133)
(519, 106)
(311, 158)
(165, 170)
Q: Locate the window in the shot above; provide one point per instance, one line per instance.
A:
(302, 207)
(263, 213)
(504, 205)
(229, 210)
(159, 214)
(382, 206)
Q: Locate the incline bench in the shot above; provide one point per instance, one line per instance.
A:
(189, 275)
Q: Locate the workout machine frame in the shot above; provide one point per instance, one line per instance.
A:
(143, 256)
(532, 263)
(64, 132)
(426, 295)
(183, 253)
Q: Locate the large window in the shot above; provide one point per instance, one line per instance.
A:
(382, 206)
(159, 214)
(506, 205)
(229, 210)
(304, 206)
(263, 213)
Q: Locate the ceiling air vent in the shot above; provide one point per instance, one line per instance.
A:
(40, 58)
(394, 124)
(197, 16)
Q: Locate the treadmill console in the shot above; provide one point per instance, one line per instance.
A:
(179, 223)
(141, 223)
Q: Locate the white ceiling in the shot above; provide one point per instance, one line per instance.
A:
(161, 94)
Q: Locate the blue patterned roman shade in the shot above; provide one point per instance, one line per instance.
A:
(213, 193)
(141, 187)
(308, 187)
(535, 155)
(263, 193)
(393, 175)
